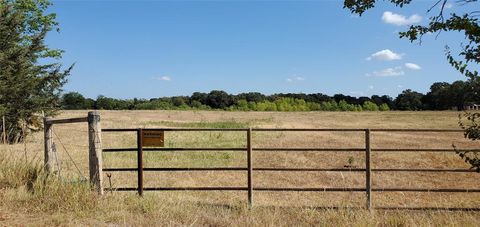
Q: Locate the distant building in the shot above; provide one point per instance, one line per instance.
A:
(471, 107)
(466, 107)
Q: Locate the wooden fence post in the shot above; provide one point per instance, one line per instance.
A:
(48, 141)
(4, 130)
(140, 161)
(95, 151)
(249, 167)
(368, 170)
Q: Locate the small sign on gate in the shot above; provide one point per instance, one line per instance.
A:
(152, 138)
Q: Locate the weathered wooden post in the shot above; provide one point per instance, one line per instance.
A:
(4, 130)
(368, 170)
(95, 151)
(48, 141)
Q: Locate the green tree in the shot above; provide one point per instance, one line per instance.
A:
(466, 23)
(252, 97)
(343, 105)
(74, 101)
(28, 87)
(329, 106)
(472, 132)
(384, 107)
(219, 99)
(104, 103)
(242, 105)
(438, 98)
(409, 100)
(178, 101)
(461, 93)
(369, 106)
(198, 97)
(313, 106)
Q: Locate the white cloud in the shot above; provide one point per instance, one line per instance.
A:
(388, 72)
(295, 78)
(385, 55)
(400, 20)
(412, 66)
(370, 87)
(448, 5)
(163, 78)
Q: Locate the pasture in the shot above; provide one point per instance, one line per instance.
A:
(69, 202)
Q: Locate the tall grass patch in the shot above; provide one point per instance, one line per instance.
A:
(29, 184)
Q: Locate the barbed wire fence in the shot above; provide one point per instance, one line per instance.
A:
(69, 144)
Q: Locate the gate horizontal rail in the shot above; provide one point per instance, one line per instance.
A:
(368, 189)
(172, 149)
(293, 189)
(293, 149)
(285, 129)
(67, 121)
(286, 169)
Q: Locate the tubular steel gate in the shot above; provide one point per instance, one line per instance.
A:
(250, 169)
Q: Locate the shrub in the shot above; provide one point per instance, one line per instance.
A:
(384, 107)
(370, 106)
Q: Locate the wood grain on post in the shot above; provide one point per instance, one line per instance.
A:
(48, 141)
(70, 120)
(95, 151)
(368, 170)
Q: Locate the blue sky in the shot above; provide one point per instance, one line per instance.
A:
(147, 49)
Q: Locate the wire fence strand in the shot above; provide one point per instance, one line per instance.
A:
(69, 156)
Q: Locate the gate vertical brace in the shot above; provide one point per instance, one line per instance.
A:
(368, 170)
(140, 161)
(249, 167)
(95, 160)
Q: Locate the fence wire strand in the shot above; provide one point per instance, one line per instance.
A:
(69, 156)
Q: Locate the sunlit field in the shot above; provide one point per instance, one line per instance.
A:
(69, 202)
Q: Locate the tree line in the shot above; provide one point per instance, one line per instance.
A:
(442, 96)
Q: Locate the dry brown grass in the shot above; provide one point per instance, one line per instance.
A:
(21, 207)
